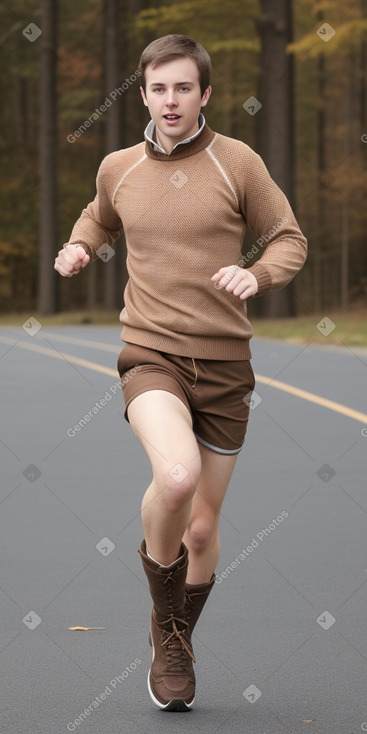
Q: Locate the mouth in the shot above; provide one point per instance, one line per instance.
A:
(172, 117)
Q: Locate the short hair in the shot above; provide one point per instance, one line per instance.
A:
(174, 46)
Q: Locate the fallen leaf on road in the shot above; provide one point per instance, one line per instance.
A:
(85, 629)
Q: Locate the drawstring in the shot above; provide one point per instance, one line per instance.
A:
(196, 372)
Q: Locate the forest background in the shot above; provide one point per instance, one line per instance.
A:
(289, 79)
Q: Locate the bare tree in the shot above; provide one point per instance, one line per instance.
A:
(275, 125)
(115, 268)
(363, 71)
(48, 159)
(321, 172)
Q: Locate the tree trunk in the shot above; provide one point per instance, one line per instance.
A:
(321, 166)
(48, 159)
(137, 115)
(21, 122)
(112, 141)
(350, 107)
(115, 268)
(92, 288)
(275, 131)
(227, 98)
(363, 76)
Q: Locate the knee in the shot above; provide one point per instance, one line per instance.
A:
(178, 486)
(202, 532)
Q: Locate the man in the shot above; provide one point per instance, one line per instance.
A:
(184, 197)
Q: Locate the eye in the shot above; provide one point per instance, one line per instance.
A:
(185, 88)
(157, 89)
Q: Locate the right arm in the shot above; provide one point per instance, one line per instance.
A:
(98, 224)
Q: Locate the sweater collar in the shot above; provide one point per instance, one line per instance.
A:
(150, 129)
(184, 148)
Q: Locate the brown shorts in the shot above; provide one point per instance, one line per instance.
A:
(216, 392)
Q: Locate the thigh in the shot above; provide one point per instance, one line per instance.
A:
(163, 425)
(142, 369)
(216, 472)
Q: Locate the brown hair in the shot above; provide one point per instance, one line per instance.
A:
(175, 46)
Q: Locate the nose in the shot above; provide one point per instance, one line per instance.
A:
(171, 98)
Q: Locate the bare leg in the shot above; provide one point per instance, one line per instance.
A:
(202, 534)
(163, 425)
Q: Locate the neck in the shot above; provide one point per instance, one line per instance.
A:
(169, 144)
(183, 151)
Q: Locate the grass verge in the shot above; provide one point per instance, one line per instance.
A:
(350, 328)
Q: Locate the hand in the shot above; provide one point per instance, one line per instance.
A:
(70, 260)
(236, 280)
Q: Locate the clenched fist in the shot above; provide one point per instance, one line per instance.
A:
(236, 280)
(70, 260)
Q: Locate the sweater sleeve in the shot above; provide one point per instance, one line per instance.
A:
(269, 215)
(99, 223)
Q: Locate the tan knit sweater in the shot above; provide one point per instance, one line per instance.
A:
(184, 216)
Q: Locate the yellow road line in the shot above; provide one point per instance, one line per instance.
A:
(298, 392)
(312, 398)
(76, 340)
(62, 355)
(82, 342)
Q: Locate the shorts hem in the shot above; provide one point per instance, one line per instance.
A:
(216, 448)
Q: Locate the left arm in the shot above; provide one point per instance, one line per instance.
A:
(269, 215)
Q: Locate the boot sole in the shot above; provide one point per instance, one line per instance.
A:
(174, 705)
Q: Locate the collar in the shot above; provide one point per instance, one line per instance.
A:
(149, 135)
(184, 148)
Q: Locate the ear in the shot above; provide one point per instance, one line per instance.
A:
(205, 97)
(143, 96)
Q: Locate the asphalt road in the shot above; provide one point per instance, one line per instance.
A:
(281, 645)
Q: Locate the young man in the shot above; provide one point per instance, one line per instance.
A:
(184, 197)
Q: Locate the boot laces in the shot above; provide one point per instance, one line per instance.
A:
(173, 637)
(175, 643)
(189, 600)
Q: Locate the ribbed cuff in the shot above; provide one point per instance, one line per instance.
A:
(262, 276)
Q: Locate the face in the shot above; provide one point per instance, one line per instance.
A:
(174, 100)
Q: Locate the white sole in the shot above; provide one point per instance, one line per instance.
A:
(174, 705)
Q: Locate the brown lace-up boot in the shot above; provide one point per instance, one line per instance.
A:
(171, 679)
(196, 596)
